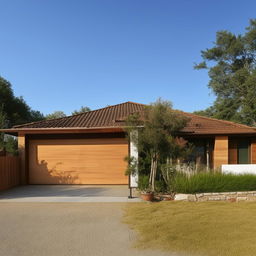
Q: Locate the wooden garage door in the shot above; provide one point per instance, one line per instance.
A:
(78, 161)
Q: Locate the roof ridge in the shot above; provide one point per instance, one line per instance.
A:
(104, 108)
(132, 102)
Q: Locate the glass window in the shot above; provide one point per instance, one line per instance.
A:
(243, 152)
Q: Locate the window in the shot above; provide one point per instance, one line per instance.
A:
(239, 151)
(243, 152)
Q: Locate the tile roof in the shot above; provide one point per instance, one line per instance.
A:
(206, 125)
(114, 116)
(111, 116)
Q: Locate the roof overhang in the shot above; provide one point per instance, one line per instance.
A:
(24, 131)
(114, 129)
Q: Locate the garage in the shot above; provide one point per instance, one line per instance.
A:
(78, 161)
(85, 149)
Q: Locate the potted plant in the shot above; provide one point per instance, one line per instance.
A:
(146, 192)
(147, 195)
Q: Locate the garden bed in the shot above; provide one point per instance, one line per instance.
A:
(212, 182)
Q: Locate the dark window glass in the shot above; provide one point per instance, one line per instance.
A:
(243, 152)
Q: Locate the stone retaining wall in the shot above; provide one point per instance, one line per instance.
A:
(223, 196)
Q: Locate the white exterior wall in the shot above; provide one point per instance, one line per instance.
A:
(239, 168)
(134, 153)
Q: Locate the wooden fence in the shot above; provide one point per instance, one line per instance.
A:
(9, 172)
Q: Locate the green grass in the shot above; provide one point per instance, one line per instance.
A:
(205, 228)
(214, 182)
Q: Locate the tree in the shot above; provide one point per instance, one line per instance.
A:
(157, 140)
(8, 143)
(36, 115)
(55, 114)
(231, 65)
(81, 110)
(2, 126)
(11, 145)
(15, 108)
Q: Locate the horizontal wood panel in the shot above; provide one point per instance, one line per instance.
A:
(78, 161)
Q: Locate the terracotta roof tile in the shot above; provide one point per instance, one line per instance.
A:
(114, 116)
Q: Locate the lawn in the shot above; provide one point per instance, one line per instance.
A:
(202, 228)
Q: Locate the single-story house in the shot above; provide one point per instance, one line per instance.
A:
(90, 148)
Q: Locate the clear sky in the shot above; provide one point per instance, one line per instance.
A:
(61, 54)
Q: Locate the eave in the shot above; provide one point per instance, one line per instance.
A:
(24, 131)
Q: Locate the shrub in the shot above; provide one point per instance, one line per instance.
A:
(213, 182)
(160, 186)
(143, 183)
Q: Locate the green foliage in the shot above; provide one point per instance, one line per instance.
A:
(55, 114)
(168, 172)
(15, 108)
(36, 115)
(154, 132)
(2, 126)
(213, 182)
(132, 165)
(232, 70)
(161, 186)
(143, 182)
(160, 123)
(11, 145)
(81, 110)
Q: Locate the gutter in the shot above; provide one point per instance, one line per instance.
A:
(61, 130)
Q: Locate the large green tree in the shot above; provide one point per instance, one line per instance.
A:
(15, 109)
(231, 65)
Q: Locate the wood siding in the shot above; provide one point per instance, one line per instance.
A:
(9, 172)
(22, 158)
(253, 151)
(232, 151)
(220, 151)
(78, 161)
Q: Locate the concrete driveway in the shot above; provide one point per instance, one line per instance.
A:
(65, 229)
(67, 193)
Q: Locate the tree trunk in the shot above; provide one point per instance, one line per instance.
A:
(153, 177)
(153, 170)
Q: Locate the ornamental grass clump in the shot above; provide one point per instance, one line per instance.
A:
(213, 182)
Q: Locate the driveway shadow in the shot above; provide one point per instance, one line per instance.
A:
(65, 191)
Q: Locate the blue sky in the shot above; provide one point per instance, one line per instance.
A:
(60, 55)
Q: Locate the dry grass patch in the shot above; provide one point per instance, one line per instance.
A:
(202, 228)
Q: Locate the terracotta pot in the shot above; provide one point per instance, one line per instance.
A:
(147, 196)
(168, 198)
